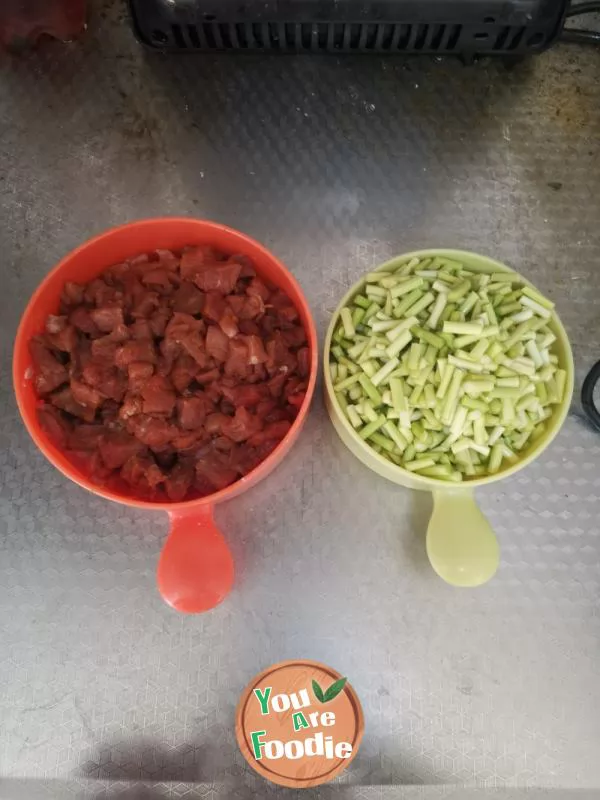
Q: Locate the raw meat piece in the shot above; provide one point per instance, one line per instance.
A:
(55, 425)
(72, 294)
(85, 395)
(218, 276)
(188, 299)
(86, 437)
(107, 318)
(258, 288)
(159, 278)
(64, 340)
(256, 350)
(179, 480)
(139, 372)
(214, 306)
(217, 344)
(195, 258)
(183, 372)
(237, 362)
(138, 350)
(49, 372)
(81, 318)
(242, 426)
(116, 447)
(228, 322)
(253, 307)
(64, 400)
(158, 396)
(151, 431)
(191, 412)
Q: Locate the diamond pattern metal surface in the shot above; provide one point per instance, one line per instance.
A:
(336, 164)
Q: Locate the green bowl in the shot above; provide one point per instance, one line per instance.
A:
(455, 509)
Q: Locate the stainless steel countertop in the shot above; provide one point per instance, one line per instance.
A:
(335, 164)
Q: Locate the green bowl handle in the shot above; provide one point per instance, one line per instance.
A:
(461, 545)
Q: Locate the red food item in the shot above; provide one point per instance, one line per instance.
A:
(139, 372)
(86, 437)
(49, 372)
(152, 431)
(179, 480)
(72, 294)
(183, 372)
(194, 258)
(246, 395)
(158, 396)
(138, 350)
(256, 350)
(188, 299)
(81, 318)
(217, 343)
(60, 334)
(141, 471)
(238, 360)
(110, 381)
(116, 447)
(145, 304)
(159, 278)
(85, 395)
(64, 399)
(218, 276)
(275, 431)
(252, 308)
(242, 426)
(171, 374)
(191, 412)
(107, 318)
(214, 306)
(228, 322)
(55, 425)
(303, 362)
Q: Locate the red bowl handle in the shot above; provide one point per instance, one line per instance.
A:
(195, 569)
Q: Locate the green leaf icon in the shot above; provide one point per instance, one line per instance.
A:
(335, 689)
(318, 692)
(331, 693)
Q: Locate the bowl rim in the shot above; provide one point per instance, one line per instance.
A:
(423, 481)
(59, 460)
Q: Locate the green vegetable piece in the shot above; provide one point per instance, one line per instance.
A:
(408, 301)
(372, 427)
(458, 292)
(406, 287)
(370, 390)
(399, 344)
(427, 336)
(347, 382)
(419, 463)
(420, 305)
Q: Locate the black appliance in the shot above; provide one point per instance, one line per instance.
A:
(467, 28)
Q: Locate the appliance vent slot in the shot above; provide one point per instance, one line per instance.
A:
(515, 41)
(178, 37)
(228, 36)
(501, 39)
(421, 36)
(437, 37)
(454, 37)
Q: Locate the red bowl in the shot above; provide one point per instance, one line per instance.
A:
(195, 570)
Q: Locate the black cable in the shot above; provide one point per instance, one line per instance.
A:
(587, 395)
(580, 36)
(583, 8)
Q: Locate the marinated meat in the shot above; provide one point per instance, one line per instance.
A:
(171, 374)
